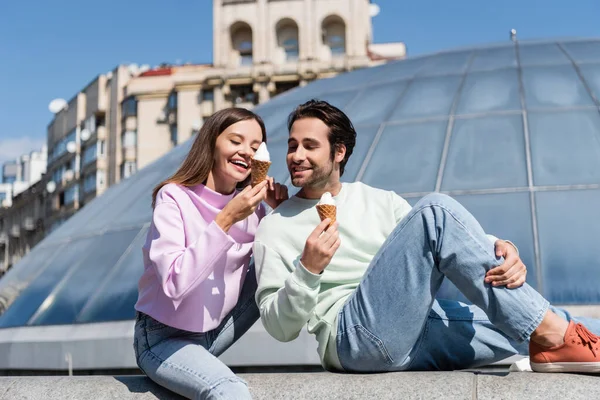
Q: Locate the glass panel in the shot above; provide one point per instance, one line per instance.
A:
(556, 86)
(278, 152)
(446, 63)
(346, 80)
(18, 278)
(565, 147)
(364, 139)
(490, 91)
(569, 245)
(506, 216)
(583, 51)
(273, 117)
(494, 58)
(374, 103)
(591, 74)
(295, 96)
(81, 281)
(116, 296)
(397, 70)
(278, 132)
(40, 288)
(338, 99)
(541, 54)
(134, 204)
(427, 97)
(486, 153)
(407, 157)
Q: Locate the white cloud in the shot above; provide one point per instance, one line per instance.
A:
(11, 149)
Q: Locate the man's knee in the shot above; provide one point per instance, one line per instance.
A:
(436, 199)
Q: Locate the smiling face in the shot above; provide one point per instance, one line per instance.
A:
(233, 150)
(309, 158)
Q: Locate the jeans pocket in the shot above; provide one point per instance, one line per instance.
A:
(154, 325)
(359, 350)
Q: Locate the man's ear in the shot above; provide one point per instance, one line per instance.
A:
(340, 152)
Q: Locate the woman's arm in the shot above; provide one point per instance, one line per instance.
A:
(182, 268)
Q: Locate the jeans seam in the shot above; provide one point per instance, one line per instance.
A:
(458, 221)
(374, 339)
(231, 320)
(457, 318)
(534, 324)
(211, 386)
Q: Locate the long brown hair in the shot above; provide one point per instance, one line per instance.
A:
(199, 162)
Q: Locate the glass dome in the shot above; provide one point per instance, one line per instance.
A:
(512, 131)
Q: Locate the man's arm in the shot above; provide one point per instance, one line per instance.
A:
(286, 299)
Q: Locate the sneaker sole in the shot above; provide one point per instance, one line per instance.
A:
(585, 367)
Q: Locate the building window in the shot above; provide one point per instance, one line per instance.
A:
(101, 148)
(89, 183)
(241, 40)
(72, 136)
(2, 197)
(291, 49)
(128, 168)
(100, 178)
(71, 195)
(89, 154)
(208, 95)
(173, 130)
(287, 39)
(172, 101)
(281, 87)
(129, 139)
(334, 35)
(90, 124)
(129, 107)
(243, 94)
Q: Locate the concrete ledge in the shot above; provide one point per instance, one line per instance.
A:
(323, 385)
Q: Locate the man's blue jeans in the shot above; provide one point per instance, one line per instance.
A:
(186, 362)
(393, 321)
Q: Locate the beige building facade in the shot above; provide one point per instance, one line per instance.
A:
(261, 48)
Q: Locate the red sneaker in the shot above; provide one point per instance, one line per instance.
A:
(579, 353)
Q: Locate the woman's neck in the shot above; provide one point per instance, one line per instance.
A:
(219, 185)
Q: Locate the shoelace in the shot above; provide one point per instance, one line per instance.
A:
(587, 337)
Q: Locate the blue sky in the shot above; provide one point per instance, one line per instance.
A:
(52, 49)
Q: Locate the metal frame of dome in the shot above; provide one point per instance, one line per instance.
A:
(535, 104)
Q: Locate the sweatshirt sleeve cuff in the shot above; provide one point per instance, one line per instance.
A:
(219, 236)
(305, 277)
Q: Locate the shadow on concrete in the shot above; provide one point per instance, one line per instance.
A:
(143, 384)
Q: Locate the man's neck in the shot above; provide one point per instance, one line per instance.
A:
(316, 192)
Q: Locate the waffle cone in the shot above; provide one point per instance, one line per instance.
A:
(327, 211)
(259, 171)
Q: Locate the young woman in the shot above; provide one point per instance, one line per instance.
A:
(196, 296)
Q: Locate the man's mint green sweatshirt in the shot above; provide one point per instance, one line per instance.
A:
(288, 295)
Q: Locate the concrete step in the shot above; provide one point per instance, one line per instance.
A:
(323, 385)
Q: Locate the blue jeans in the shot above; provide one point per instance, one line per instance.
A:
(393, 322)
(186, 362)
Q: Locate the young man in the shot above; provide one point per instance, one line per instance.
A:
(367, 286)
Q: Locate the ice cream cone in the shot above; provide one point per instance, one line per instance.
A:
(327, 211)
(259, 171)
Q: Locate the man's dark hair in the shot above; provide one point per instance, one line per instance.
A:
(341, 130)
